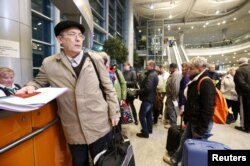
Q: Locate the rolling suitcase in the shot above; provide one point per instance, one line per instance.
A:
(173, 138)
(195, 151)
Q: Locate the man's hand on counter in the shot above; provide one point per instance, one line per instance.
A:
(26, 89)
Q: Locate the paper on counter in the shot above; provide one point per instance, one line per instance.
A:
(18, 104)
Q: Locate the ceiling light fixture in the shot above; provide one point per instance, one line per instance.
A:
(224, 22)
(192, 27)
(217, 12)
(204, 26)
(235, 18)
(207, 23)
(172, 3)
(179, 28)
(218, 23)
(170, 16)
(151, 6)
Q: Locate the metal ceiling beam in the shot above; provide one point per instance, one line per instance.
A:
(189, 9)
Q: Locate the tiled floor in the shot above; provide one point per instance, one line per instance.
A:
(149, 152)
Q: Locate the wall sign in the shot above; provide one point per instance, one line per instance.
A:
(9, 48)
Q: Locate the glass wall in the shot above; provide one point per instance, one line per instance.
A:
(41, 32)
(109, 15)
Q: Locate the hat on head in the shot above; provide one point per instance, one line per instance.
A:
(67, 24)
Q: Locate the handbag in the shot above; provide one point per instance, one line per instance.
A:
(126, 115)
(118, 153)
(132, 92)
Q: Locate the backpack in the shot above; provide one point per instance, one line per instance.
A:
(220, 105)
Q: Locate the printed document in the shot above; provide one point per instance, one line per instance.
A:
(19, 104)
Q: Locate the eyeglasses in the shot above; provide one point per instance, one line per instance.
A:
(80, 35)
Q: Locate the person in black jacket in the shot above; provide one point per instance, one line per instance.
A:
(242, 87)
(147, 94)
(131, 82)
(200, 107)
(214, 75)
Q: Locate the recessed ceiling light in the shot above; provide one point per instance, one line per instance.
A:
(235, 18)
(218, 23)
(234, 53)
(179, 28)
(204, 26)
(159, 29)
(223, 22)
(170, 16)
(192, 27)
(234, 57)
(222, 54)
(151, 6)
(168, 26)
(139, 31)
(217, 12)
(248, 11)
(207, 23)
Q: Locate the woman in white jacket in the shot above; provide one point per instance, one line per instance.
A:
(228, 91)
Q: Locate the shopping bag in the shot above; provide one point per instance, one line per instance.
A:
(118, 153)
(126, 114)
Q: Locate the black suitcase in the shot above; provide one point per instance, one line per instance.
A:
(173, 138)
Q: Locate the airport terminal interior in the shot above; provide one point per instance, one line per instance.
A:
(166, 31)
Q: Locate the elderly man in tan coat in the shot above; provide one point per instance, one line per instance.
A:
(87, 111)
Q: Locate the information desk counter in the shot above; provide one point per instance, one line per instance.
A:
(33, 138)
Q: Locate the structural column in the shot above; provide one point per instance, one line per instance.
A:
(15, 38)
(130, 31)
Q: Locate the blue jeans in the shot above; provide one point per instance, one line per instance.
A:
(145, 116)
(177, 156)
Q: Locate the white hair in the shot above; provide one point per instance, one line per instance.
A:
(199, 62)
(243, 60)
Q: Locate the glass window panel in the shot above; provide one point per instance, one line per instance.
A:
(97, 47)
(98, 36)
(41, 29)
(42, 6)
(97, 7)
(40, 51)
(98, 20)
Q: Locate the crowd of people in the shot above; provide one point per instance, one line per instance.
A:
(96, 90)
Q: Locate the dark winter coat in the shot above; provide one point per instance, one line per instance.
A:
(242, 80)
(200, 106)
(148, 86)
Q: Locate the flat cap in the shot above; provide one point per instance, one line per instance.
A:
(67, 24)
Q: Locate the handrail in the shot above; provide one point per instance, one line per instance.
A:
(184, 52)
(28, 136)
